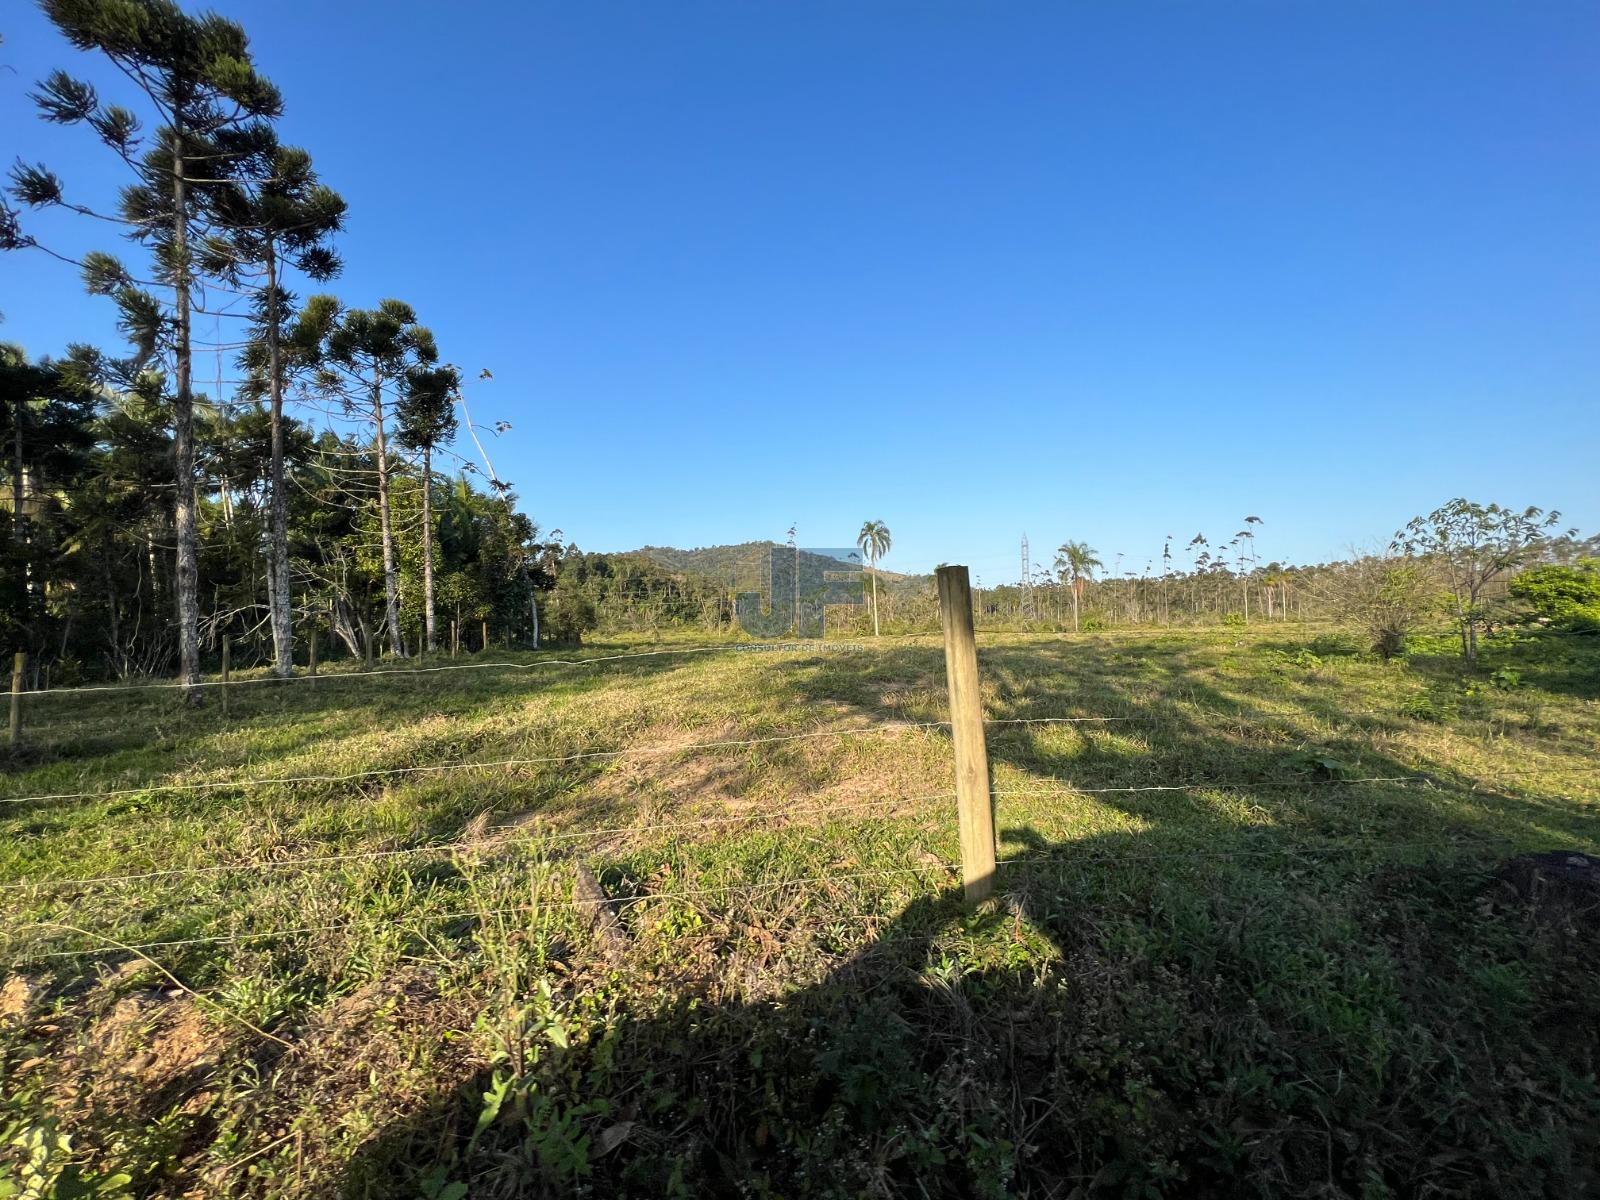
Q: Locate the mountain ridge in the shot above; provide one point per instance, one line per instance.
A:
(743, 564)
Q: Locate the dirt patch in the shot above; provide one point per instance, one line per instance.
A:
(18, 998)
(152, 1040)
(140, 1058)
(674, 771)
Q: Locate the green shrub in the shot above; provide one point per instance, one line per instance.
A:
(1568, 596)
(567, 616)
(1505, 678)
(1233, 620)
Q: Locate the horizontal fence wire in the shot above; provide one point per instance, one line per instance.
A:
(513, 836)
(516, 834)
(735, 889)
(737, 647)
(630, 752)
(401, 672)
(1061, 856)
(521, 834)
(647, 751)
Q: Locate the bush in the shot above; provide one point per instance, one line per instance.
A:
(1386, 598)
(567, 616)
(1567, 596)
(1505, 679)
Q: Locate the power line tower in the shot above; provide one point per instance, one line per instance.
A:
(1026, 583)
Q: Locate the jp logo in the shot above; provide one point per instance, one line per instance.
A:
(801, 583)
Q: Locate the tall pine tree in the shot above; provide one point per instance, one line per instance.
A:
(427, 419)
(278, 216)
(196, 75)
(365, 355)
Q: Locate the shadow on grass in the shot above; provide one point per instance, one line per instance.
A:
(1130, 1020)
(1297, 1004)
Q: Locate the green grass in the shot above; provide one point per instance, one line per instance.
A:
(1245, 973)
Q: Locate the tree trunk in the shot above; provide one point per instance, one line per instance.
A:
(427, 547)
(17, 409)
(391, 575)
(874, 595)
(18, 527)
(282, 614)
(1075, 628)
(183, 514)
(113, 621)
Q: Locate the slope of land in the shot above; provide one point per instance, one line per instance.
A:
(1253, 937)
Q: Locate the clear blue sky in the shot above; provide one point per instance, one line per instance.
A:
(1100, 271)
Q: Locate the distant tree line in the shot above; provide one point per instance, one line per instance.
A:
(91, 577)
(147, 518)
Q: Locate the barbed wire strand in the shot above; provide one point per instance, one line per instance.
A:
(387, 672)
(1333, 846)
(550, 760)
(619, 901)
(487, 842)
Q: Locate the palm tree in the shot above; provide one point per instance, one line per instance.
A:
(1076, 560)
(874, 542)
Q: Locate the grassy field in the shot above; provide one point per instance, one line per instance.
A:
(1253, 937)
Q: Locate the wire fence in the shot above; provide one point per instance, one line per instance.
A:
(526, 846)
(392, 672)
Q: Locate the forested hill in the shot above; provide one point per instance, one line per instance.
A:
(745, 566)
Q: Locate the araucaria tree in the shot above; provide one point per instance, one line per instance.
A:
(875, 541)
(1077, 561)
(276, 217)
(427, 418)
(1475, 545)
(196, 75)
(366, 353)
(1246, 539)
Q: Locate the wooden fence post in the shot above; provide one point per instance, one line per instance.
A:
(486, 635)
(973, 801)
(227, 662)
(19, 666)
(311, 652)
